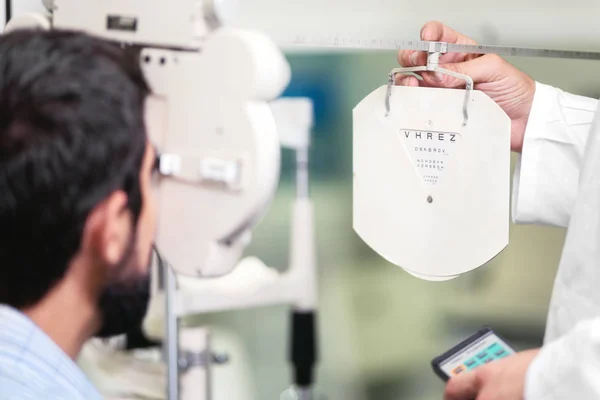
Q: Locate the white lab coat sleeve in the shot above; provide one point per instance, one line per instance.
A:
(567, 368)
(546, 174)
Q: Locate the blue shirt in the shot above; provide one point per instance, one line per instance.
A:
(33, 367)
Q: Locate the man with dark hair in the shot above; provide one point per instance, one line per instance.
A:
(77, 217)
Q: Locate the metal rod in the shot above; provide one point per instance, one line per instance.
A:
(520, 51)
(302, 185)
(172, 334)
(341, 42)
(209, 360)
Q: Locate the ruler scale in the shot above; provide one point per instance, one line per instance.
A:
(341, 42)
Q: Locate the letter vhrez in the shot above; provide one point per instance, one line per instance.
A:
(424, 135)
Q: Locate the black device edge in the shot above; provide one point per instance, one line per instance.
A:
(8, 11)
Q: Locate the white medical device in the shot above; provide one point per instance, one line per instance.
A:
(212, 120)
(209, 118)
(251, 284)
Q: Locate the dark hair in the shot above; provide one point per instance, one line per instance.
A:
(71, 133)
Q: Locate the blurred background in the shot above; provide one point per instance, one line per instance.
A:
(379, 326)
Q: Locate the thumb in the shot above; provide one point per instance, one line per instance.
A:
(482, 70)
(462, 387)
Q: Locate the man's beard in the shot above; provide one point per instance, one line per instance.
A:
(123, 305)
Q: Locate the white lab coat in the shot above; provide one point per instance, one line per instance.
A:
(557, 182)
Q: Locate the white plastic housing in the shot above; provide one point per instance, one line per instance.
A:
(156, 23)
(30, 20)
(211, 107)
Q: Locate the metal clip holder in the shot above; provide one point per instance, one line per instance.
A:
(433, 58)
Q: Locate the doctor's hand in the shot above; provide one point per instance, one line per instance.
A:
(500, 380)
(510, 88)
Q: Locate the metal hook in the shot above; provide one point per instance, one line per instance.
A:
(432, 65)
(388, 93)
(391, 78)
(469, 88)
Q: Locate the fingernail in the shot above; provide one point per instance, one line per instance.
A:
(438, 76)
(413, 58)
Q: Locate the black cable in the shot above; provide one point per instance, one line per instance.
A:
(8, 10)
